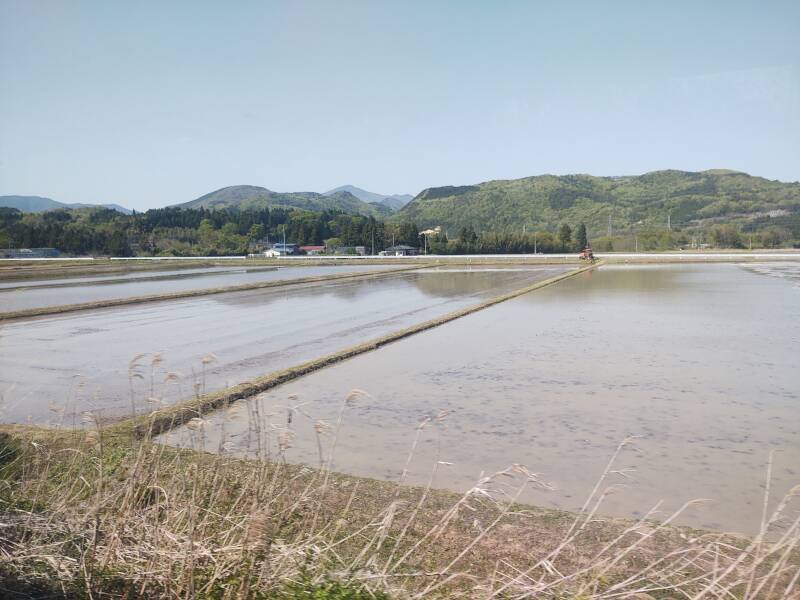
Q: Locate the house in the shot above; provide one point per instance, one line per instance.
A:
(312, 250)
(399, 250)
(350, 250)
(258, 246)
(281, 250)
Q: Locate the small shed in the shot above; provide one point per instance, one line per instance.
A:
(399, 250)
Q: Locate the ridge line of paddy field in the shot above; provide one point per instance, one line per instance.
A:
(67, 308)
(161, 421)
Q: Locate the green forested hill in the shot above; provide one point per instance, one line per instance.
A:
(543, 202)
(251, 197)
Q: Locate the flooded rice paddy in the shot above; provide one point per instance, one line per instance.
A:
(20, 295)
(36, 282)
(54, 368)
(699, 362)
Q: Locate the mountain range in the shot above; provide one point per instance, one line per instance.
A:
(251, 196)
(543, 202)
(40, 204)
(656, 199)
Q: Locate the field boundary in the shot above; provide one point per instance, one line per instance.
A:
(163, 420)
(67, 308)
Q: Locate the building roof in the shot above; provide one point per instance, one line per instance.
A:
(401, 247)
(312, 247)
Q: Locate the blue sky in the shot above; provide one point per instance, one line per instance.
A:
(153, 103)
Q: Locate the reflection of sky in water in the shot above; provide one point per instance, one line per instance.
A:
(37, 297)
(697, 360)
(114, 277)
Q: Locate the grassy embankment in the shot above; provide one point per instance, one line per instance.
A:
(93, 514)
(105, 512)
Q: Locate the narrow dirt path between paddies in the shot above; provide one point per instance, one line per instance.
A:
(67, 308)
(173, 416)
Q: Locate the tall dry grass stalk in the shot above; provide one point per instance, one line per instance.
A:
(91, 514)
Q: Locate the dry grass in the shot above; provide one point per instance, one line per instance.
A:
(93, 514)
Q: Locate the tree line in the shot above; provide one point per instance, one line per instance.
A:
(192, 232)
(203, 232)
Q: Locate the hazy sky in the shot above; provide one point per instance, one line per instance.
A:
(153, 103)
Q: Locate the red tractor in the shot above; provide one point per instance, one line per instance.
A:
(586, 254)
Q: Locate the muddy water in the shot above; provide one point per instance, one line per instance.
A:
(54, 368)
(37, 294)
(699, 361)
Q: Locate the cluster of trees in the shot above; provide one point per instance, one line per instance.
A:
(470, 242)
(182, 232)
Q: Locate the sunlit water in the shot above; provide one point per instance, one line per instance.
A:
(699, 362)
(13, 283)
(52, 369)
(45, 293)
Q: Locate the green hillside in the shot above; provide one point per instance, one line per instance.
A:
(689, 200)
(244, 197)
(32, 204)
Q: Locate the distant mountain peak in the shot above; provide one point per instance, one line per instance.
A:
(394, 202)
(41, 204)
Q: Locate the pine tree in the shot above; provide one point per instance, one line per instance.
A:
(581, 238)
(565, 237)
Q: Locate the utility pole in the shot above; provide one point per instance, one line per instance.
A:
(534, 243)
(373, 241)
(669, 221)
(609, 224)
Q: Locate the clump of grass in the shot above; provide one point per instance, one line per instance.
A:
(97, 513)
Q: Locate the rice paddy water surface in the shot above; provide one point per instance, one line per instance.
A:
(20, 295)
(116, 360)
(698, 362)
